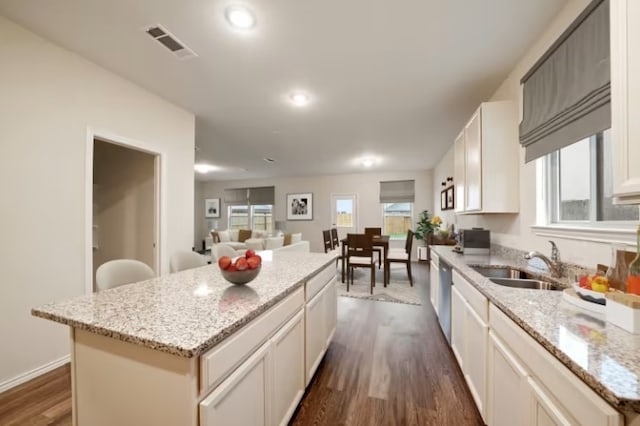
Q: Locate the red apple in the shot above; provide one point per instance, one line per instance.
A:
(253, 262)
(241, 264)
(249, 254)
(257, 256)
(224, 262)
(232, 268)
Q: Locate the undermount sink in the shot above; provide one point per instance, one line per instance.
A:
(525, 283)
(511, 277)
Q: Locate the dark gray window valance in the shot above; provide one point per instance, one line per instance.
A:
(262, 195)
(253, 196)
(397, 191)
(567, 93)
(236, 196)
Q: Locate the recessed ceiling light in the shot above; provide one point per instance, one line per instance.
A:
(203, 168)
(367, 162)
(240, 17)
(300, 99)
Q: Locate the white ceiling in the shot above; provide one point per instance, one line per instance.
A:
(390, 79)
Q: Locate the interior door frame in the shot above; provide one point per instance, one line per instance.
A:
(356, 218)
(160, 211)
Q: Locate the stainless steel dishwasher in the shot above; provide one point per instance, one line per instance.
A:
(444, 299)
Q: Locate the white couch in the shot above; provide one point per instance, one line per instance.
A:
(259, 240)
(301, 246)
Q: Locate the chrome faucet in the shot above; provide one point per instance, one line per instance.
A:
(552, 264)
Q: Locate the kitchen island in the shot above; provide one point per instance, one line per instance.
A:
(530, 357)
(190, 348)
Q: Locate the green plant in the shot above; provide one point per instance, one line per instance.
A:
(426, 225)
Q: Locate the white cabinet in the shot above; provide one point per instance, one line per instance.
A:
(434, 281)
(242, 398)
(507, 390)
(469, 337)
(625, 99)
(544, 411)
(288, 369)
(320, 323)
(487, 162)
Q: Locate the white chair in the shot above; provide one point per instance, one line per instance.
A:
(221, 249)
(121, 271)
(182, 260)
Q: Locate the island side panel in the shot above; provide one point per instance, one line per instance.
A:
(119, 383)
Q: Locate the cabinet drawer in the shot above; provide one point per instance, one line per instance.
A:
(315, 284)
(474, 298)
(220, 361)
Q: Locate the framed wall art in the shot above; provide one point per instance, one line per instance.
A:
(443, 199)
(212, 207)
(300, 206)
(450, 198)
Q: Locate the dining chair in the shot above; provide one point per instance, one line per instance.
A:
(184, 259)
(336, 244)
(400, 256)
(360, 255)
(375, 232)
(118, 272)
(328, 242)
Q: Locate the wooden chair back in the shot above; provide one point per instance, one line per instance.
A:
(409, 243)
(373, 232)
(359, 245)
(328, 242)
(334, 237)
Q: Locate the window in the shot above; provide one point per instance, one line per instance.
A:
(579, 185)
(258, 217)
(397, 219)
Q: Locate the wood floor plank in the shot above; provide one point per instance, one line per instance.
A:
(388, 364)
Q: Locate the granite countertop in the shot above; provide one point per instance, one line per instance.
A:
(605, 357)
(188, 312)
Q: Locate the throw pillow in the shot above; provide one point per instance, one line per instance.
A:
(259, 234)
(244, 235)
(273, 243)
(224, 236)
(296, 238)
(233, 234)
(287, 240)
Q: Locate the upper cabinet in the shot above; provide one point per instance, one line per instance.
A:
(625, 99)
(486, 161)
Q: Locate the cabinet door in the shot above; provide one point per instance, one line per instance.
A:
(242, 399)
(331, 306)
(287, 354)
(506, 386)
(473, 163)
(543, 409)
(625, 100)
(316, 332)
(459, 171)
(475, 358)
(434, 284)
(457, 325)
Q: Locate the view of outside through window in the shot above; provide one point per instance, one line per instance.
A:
(344, 213)
(581, 177)
(259, 217)
(397, 219)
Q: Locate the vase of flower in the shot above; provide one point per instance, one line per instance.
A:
(426, 226)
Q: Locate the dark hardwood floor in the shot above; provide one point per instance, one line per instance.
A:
(388, 364)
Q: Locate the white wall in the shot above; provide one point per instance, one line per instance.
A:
(366, 185)
(514, 230)
(48, 99)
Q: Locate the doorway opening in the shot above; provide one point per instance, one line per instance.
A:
(124, 202)
(344, 213)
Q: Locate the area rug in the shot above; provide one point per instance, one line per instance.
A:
(398, 290)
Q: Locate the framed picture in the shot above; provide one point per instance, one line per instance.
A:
(212, 207)
(300, 206)
(450, 198)
(443, 200)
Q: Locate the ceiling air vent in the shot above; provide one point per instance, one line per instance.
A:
(168, 40)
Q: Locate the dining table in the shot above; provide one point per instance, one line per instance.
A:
(377, 241)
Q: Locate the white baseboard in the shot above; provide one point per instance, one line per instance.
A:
(25, 377)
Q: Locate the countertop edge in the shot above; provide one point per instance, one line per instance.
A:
(623, 404)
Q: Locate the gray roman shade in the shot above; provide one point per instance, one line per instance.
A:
(235, 197)
(262, 195)
(567, 93)
(397, 191)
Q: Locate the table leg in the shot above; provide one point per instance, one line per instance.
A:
(385, 272)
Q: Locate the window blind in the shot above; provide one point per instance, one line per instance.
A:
(235, 197)
(567, 93)
(262, 195)
(397, 191)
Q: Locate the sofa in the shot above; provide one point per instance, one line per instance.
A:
(301, 246)
(243, 239)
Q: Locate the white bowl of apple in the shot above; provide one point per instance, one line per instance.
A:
(242, 269)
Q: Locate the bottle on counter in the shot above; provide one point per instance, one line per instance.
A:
(633, 278)
(618, 268)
